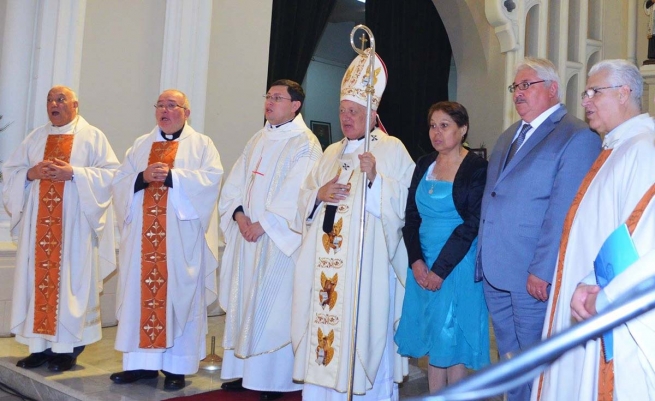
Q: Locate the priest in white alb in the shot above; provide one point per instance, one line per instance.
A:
(633, 345)
(324, 284)
(165, 194)
(618, 179)
(258, 207)
(57, 193)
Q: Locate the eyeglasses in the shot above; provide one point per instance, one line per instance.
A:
(523, 85)
(591, 92)
(169, 106)
(276, 98)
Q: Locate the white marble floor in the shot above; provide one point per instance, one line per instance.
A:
(89, 379)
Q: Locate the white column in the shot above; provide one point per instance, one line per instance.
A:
(17, 50)
(632, 31)
(185, 59)
(15, 65)
(648, 72)
(57, 52)
(41, 47)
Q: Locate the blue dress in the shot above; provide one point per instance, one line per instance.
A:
(450, 325)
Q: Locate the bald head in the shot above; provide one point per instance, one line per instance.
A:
(62, 105)
(172, 110)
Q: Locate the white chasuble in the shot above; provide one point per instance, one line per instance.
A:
(88, 251)
(192, 241)
(256, 277)
(608, 201)
(328, 263)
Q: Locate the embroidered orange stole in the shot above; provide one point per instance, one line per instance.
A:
(566, 231)
(154, 273)
(49, 238)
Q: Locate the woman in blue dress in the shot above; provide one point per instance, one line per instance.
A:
(444, 313)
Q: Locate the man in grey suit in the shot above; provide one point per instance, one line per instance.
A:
(534, 172)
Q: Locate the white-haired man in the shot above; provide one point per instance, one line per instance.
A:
(607, 197)
(533, 174)
(325, 273)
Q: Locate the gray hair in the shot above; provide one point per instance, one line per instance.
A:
(622, 72)
(545, 70)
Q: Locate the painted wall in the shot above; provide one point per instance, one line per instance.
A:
(323, 80)
(238, 66)
(480, 68)
(121, 65)
(322, 87)
(3, 8)
(121, 70)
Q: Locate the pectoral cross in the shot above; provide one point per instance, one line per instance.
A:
(363, 40)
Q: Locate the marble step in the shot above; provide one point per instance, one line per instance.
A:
(33, 384)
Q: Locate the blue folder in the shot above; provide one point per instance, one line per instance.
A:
(617, 254)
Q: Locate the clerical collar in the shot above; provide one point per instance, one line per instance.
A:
(357, 139)
(173, 136)
(279, 125)
(361, 137)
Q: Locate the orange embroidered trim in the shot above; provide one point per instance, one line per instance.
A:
(605, 377)
(636, 214)
(606, 369)
(49, 237)
(154, 273)
(568, 222)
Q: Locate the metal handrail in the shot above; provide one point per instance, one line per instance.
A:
(526, 365)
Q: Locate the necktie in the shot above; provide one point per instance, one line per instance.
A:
(517, 142)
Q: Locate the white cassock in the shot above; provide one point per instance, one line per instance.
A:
(610, 198)
(192, 245)
(257, 277)
(634, 348)
(325, 276)
(88, 249)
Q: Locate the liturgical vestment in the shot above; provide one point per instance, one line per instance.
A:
(191, 246)
(325, 274)
(257, 277)
(627, 171)
(87, 241)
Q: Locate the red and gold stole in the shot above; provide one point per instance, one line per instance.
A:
(154, 273)
(49, 232)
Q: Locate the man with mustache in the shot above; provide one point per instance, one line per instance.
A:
(534, 172)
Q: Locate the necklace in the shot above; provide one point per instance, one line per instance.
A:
(446, 169)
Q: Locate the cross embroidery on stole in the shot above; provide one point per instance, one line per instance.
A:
(49, 238)
(154, 273)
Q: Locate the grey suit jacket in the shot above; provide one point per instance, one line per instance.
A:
(525, 203)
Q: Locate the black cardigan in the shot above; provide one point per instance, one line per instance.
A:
(468, 187)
